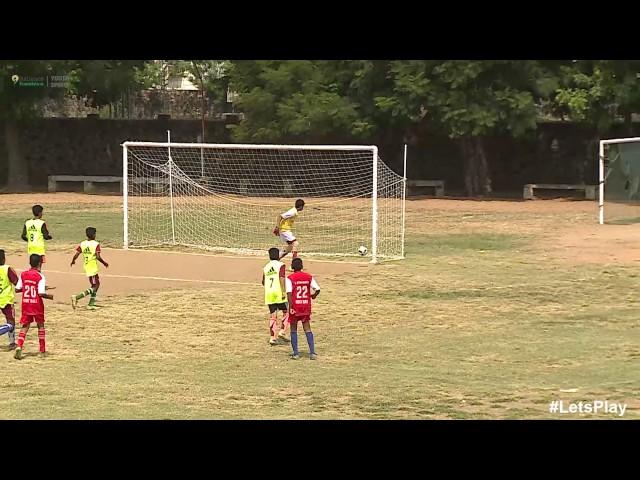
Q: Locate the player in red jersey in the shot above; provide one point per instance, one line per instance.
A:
(301, 288)
(32, 284)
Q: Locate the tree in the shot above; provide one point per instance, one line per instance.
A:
(301, 100)
(597, 92)
(18, 103)
(102, 82)
(469, 100)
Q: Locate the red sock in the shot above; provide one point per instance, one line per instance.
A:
(295, 254)
(21, 338)
(272, 326)
(41, 339)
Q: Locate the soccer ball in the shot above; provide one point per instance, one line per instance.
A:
(362, 250)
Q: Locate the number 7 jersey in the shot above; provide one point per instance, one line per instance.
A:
(299, 284)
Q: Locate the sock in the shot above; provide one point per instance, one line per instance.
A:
(88, 291)
(12, 336)
(41, 339)
(272, 326)
(295, 254)
(6, 328)
(21, 338)
(312, 348)
(92, 301)
(294, 342)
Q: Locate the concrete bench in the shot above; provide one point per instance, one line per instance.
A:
(88, 181)
(589, 190)
(437, 184)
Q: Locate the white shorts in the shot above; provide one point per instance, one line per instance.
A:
(287, 236)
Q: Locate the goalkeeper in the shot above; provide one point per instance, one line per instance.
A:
(284, 224)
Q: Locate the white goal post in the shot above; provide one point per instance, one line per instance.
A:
(626, 170)
(228, 197)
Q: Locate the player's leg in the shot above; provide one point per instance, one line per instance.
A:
(306, 325)
(294, 248)
(288, 239)
(283, 323)
(81, 295)
(293, 321)
(41, 335)
(95, 285)
(273, 332)
(10, 327)
(25, 321)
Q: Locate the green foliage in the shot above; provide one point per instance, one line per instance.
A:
(18, 102)
(104, 81)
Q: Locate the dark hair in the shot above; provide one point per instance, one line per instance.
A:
(91, 232)
(299, 203)
(274, 253)
(35, 260)
(2, 257)
(37, 210)
(296, 264)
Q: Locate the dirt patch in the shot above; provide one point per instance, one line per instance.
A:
(133, 271)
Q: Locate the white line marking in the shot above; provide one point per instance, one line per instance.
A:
(247, 257)
(152, 278)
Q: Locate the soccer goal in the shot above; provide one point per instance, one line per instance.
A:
(227, 197)
(619, 198)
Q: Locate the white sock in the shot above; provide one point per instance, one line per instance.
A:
(12, 336)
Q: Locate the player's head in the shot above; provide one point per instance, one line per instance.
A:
(274, 253)
(2, 259)
(35, 260)
(299, 204)
(37, 210)
(91, 233)
(296, 264)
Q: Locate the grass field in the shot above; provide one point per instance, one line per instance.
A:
(498, 309)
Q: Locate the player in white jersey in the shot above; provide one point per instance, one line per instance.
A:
(284, 225)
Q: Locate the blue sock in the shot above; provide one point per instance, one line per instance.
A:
(294, 342)
(312, 348)
(7, 327)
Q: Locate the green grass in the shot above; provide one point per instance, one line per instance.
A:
(475, 323)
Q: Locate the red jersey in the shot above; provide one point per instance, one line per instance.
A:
(32, 283)
(300, 288)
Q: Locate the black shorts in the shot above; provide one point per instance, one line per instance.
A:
(277, 306)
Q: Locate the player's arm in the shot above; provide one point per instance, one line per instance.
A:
(99, 258)
(75, 257)
(45, 232)
(315, 287)
(24, 233)
(19, 285)
(42, 289)
(283, 286)
(289, 289)
(276, 231)
(263, 279)
(13, 276)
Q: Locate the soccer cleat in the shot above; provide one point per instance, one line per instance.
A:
(42, 354)
(294, 356)
(92, 307)
(18, 354)
(12, 346)
(74, 302)
(313, 356)
(273, 341)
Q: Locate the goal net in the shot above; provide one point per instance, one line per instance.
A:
(620, 180)
(228, 197)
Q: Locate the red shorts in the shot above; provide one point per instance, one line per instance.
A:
(95, 280)
(9, 312)
(27, 319)
(299, 318)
